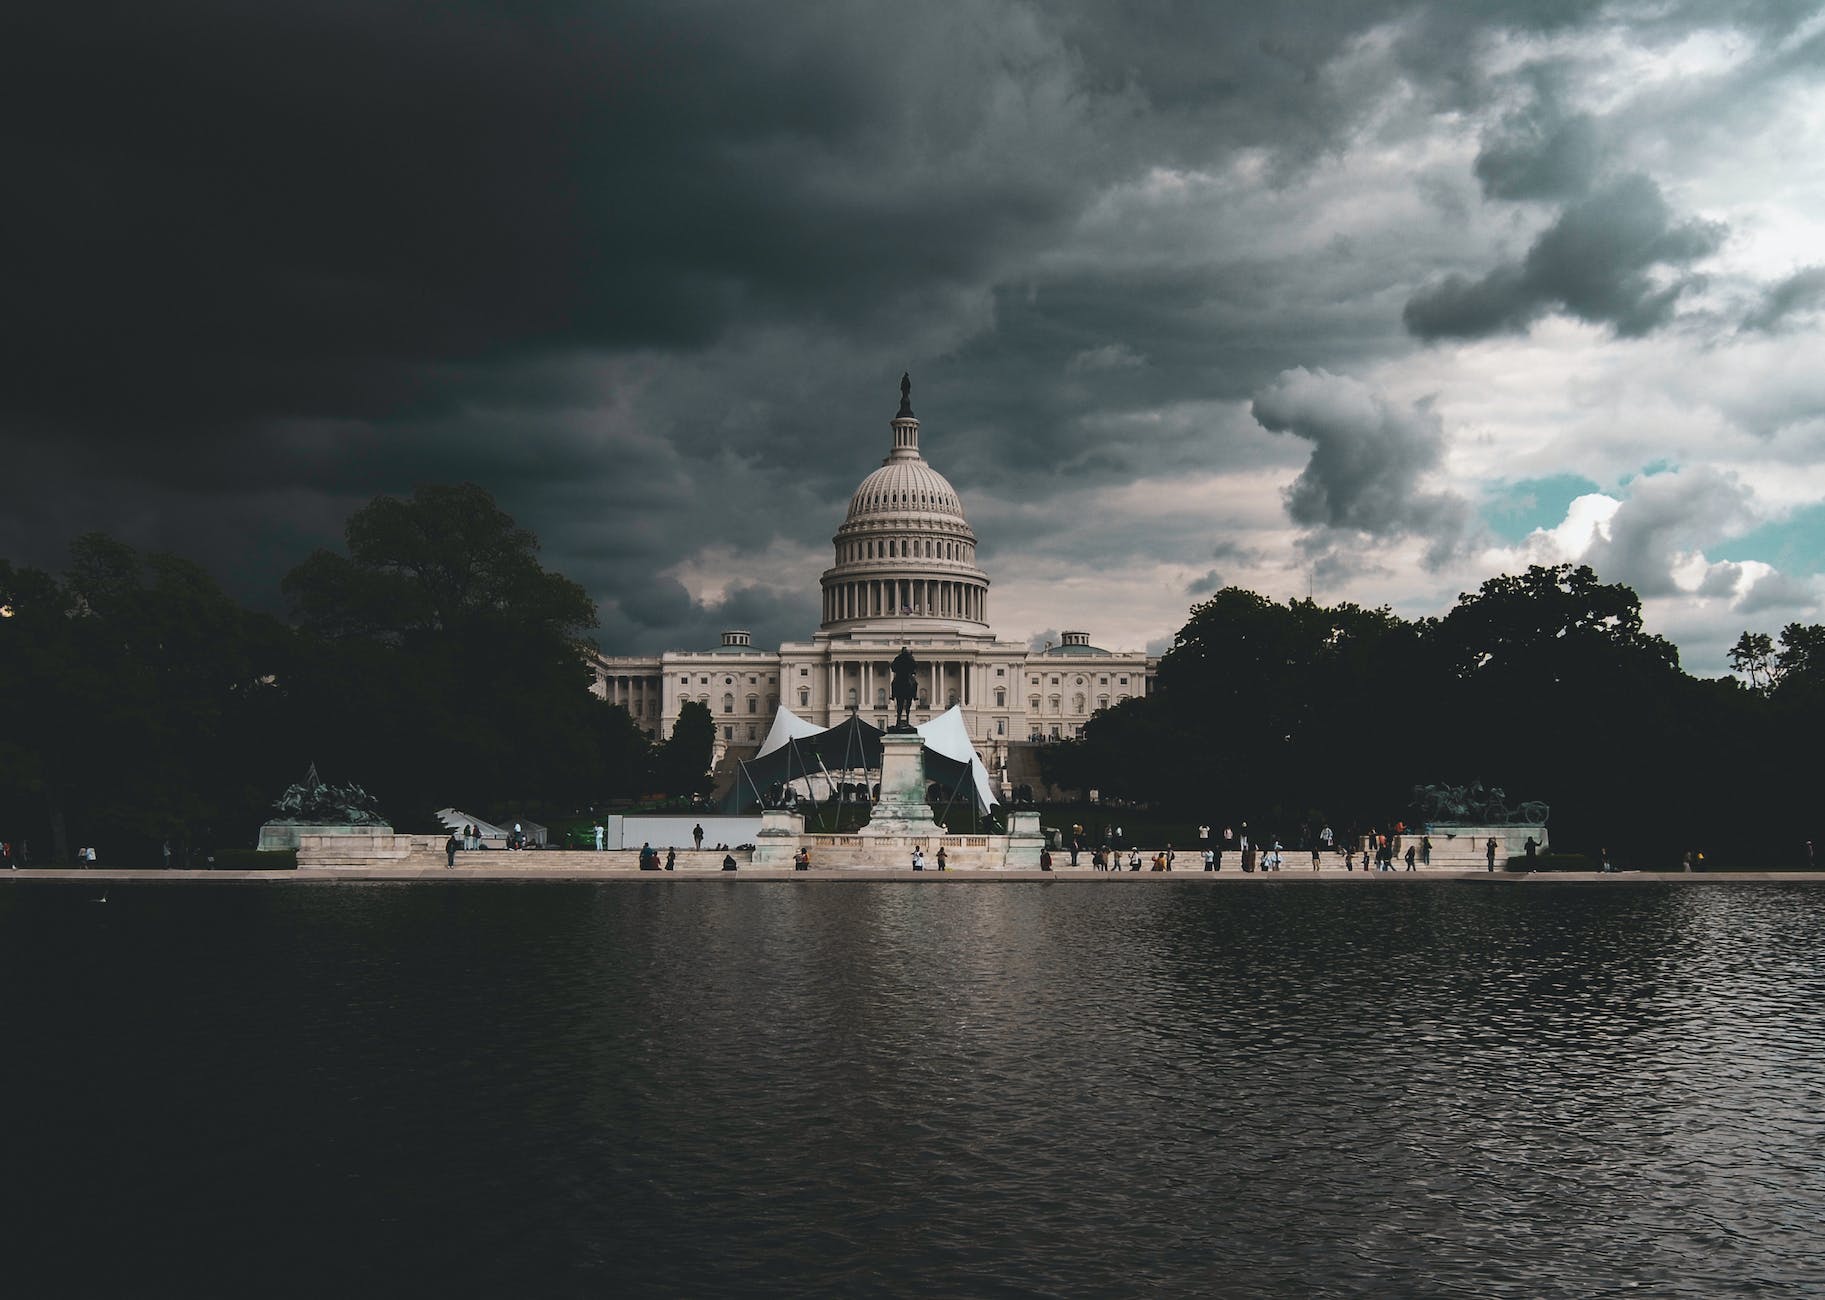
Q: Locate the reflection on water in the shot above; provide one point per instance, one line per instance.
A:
(1073, 1088)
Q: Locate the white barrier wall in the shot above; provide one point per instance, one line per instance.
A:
(674, 831)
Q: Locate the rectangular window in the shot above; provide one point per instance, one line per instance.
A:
(804, 672)
(1001, 672)
(1001, 726)
(1124, 681)
(728, 733)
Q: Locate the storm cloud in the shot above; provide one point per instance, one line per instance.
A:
(650, 273)
(1620, 257)
(1371, 462)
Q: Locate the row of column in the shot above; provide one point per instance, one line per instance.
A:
(638, 695)
(891, 597)
(874, 676)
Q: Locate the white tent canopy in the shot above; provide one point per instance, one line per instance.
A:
(946, 735)
(852, 743)
(787, 725)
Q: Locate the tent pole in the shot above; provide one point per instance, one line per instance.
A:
(828, 780)
(958, 789)
(742, 763)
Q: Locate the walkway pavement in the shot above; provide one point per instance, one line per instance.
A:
(549, 871)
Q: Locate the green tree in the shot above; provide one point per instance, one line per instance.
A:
(681, 762)
(1753, 659)
(138, 696)
(449, 560)
(446, 665)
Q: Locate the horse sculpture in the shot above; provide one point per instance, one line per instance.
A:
(905, 688)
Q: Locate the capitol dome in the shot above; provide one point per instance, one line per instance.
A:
(905, 554)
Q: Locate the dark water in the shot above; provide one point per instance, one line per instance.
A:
(1397, 1089)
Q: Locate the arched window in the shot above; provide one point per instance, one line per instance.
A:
(852, 699)
(728, 704)
(804, 696)
(1055, 704)
(1001, 699)
(880, 697)
(1033, 704)
(1077, 703)
(1102, 701)
(754, 704)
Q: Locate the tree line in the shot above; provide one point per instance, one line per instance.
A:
(433, 662)
(1543, 683)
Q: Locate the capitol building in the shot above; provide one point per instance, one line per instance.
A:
(904, 574)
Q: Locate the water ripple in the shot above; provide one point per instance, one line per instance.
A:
(1019, 1090)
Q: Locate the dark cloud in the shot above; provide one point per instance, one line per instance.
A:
(649, 271)
(1206, 585)
(1778, 591)
(1541, 152)
(1369, 459)
(1616, 258)
(1799, 294)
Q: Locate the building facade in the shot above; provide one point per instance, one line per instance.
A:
(904, 574)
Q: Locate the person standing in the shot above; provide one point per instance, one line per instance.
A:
(450, 850)
(697, 836)
(671, 858)
(941, 859)
(1412, 853)
(1314, 855)
(1489, 852)
(918, 858)
(1425, 850)
(599, 833)
(1210, 859)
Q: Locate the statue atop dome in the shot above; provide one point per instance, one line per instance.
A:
(905, 397)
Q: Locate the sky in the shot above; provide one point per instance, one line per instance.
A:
(1369, 301)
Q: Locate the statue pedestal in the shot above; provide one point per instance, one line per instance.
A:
(901, 810)
(1025, 840)
(276, 835)
(781, 832)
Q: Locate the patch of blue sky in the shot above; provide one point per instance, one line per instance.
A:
(1513, 510)
(1653, 467)
(1794, 545)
